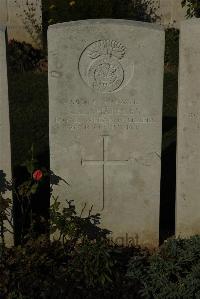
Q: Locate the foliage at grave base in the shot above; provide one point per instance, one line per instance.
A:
(83, 263)
(193, 8)
(41, 269)
(174, 272)
(80, 263)
(94, 269)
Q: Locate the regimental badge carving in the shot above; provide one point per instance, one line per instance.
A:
(101, 65)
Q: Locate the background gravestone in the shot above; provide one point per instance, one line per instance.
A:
(5, 151)
(105, 97)
(23, 20)
(188, 152)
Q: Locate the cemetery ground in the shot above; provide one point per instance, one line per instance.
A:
(92, 268)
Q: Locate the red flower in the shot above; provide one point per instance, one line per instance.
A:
(37, 175)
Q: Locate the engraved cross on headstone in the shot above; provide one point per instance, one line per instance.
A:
(104, 162)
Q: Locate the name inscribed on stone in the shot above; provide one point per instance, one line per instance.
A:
(87, 114)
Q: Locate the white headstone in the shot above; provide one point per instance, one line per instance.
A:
(105, 89)
(188, 142)
(5, 150)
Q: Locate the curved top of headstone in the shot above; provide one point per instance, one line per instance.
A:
(107, 21)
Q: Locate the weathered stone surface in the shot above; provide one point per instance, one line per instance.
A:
(3, 12)
(5, 151)
(188, 142)
(105, 97)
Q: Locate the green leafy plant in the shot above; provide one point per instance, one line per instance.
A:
(27, 190)
(193, 8)
(173, 272)
(74, 228)
(81, 263)
(44, 269)
(91, 263)
(80, 260)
